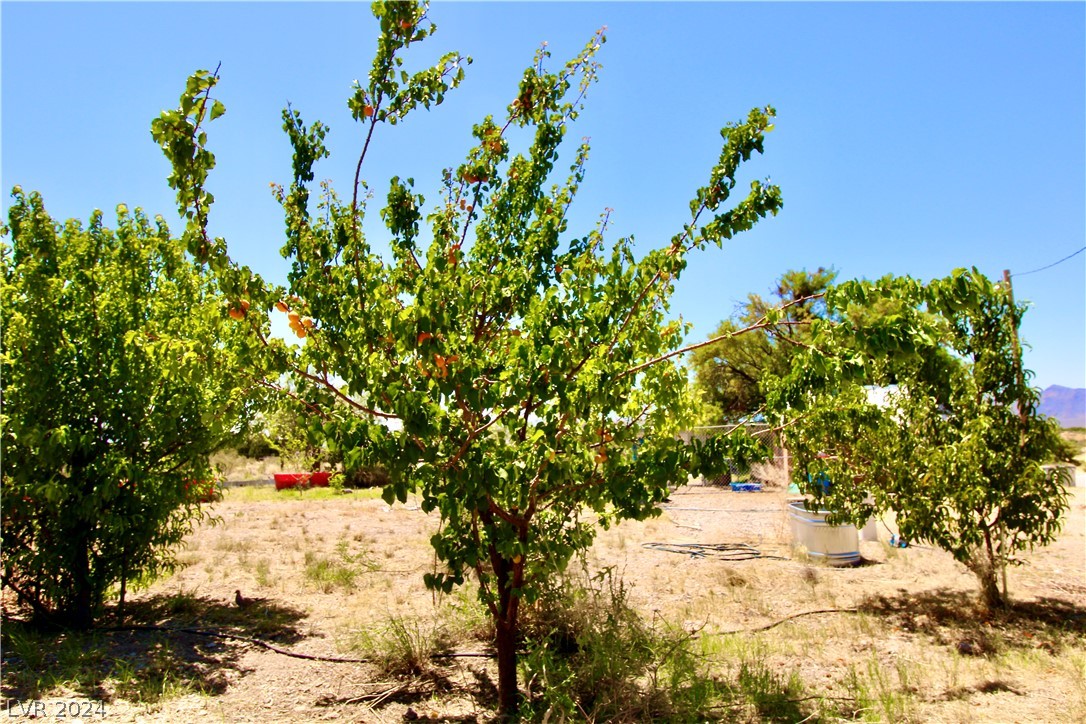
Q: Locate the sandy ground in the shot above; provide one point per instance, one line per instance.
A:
(915, 615)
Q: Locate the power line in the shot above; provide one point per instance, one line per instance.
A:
(1032, 271)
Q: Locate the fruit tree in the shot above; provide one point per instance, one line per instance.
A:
(520, 379)
(916, 401)
(119, 380)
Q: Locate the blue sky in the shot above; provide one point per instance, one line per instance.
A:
(911, 138)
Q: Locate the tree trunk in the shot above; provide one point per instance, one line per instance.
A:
(508, 696)
(989, 589)
(80, 615)
(505, 573)
(983, 564)
(124, 587)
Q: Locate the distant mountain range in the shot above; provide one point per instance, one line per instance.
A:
(1065, 404)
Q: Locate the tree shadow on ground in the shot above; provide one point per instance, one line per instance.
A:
(147, 657)
(956, 618)
(264, 619)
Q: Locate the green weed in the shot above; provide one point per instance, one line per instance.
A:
(150, 683)
(263, 573)
(774, 697)
(36, 663)
(338, 572)
(876, 694)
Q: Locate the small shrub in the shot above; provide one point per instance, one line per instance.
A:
(373, 477)
(256, 447)
(589, 655)
(206, 490)
(402, 647)
(327, 574)
(1066, 451)
(182, 603)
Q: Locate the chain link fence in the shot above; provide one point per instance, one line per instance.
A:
(775, 472)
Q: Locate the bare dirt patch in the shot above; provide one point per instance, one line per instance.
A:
(899, 638)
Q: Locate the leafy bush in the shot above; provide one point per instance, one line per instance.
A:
(255, 446)
(1065, 451)
(119, 381)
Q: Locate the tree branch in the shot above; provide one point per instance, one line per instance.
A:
(714, 340)
(200, 217)
(473, 436)
(514, 520)
(487, 596)
(292, 395)
(327, 384)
